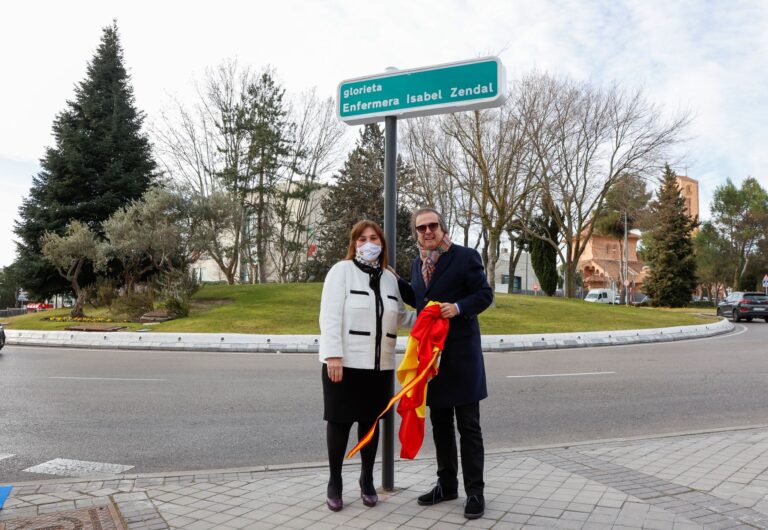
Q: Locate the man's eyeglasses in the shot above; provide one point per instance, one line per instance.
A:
(423, 228)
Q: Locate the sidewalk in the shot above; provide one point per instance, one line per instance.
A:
(705, 480)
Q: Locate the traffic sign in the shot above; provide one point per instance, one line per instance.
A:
(626, 283)
(452, 87)
(765, 280)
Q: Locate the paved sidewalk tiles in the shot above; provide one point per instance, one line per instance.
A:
(713, 481)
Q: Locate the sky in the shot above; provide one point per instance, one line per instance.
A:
(706, 58)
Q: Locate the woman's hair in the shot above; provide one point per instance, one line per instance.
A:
(358, 229)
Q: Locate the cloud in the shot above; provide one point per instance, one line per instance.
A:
(708, 57)
(15, 180)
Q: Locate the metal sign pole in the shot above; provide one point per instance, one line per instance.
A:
(390, 232)
(438, 89)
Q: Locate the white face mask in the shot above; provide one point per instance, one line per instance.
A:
(369, 251)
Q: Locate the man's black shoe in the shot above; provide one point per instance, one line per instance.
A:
(437, 495)
(475, 507)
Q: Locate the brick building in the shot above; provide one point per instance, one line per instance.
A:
(601, 262)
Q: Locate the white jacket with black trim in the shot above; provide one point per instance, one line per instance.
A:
(348, 317)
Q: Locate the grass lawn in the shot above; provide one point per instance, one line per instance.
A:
(293, 309)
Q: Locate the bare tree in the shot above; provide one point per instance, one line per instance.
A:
(494, 144)
(204, 149)
(518, 234)
(315, 151)
(444, 176)
(434, 170)
(584, 138)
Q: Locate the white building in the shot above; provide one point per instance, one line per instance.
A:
(524, 279)
(206, 269)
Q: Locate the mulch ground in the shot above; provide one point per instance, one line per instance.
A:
(94, 327)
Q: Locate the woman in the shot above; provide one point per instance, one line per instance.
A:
(360, 312)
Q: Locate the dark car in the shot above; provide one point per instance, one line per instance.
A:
(742, 305)
(2, 337)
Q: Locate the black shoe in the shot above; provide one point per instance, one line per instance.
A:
(475, 507)
(437, 495)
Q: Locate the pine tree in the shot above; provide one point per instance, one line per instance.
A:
(544, 255)
(669, 247)
(359, 194)
(101, 161)
(8, 286)
(269, 145)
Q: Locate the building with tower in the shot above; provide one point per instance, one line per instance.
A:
(602, 262)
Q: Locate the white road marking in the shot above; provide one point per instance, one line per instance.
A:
(105, 379)
(744, 329)
(77, 468)
(4, 456)
(557, 375)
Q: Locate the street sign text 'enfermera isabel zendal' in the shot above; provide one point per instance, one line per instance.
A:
(453, 87)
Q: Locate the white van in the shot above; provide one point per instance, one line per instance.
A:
(600, 296)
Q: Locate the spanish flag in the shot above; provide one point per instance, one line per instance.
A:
(419, 365)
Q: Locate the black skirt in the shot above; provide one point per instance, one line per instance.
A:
(360, 396)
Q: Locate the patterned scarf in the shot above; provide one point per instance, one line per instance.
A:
(429, 258)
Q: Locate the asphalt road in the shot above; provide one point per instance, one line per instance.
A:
(173, 411)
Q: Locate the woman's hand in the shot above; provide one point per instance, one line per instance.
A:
(335, 369)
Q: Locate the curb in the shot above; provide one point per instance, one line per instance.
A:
(245, 343)
(427, 456)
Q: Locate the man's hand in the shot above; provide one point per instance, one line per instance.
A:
(448, 310)
(335, 369)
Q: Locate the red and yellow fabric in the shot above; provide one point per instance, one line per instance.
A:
(419, 365)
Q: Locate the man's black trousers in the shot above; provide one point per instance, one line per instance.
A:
(471, 442)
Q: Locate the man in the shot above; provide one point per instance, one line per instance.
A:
(453, 275)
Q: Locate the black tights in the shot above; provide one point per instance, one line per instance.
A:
(338, 435)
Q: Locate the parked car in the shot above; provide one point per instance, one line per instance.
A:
(2, 337)
(34, 307)
(600, 296)
(744, 305)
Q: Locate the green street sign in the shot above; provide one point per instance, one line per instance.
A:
(453, 87)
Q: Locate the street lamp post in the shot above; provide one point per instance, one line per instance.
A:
(527, 285)
(626, 259)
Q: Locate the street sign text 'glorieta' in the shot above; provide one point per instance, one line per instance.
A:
(453, 87)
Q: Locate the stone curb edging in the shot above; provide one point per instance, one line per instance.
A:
(502, 343)
(427, 456)
(246, 343)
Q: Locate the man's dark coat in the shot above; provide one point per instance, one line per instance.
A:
(458, 278)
